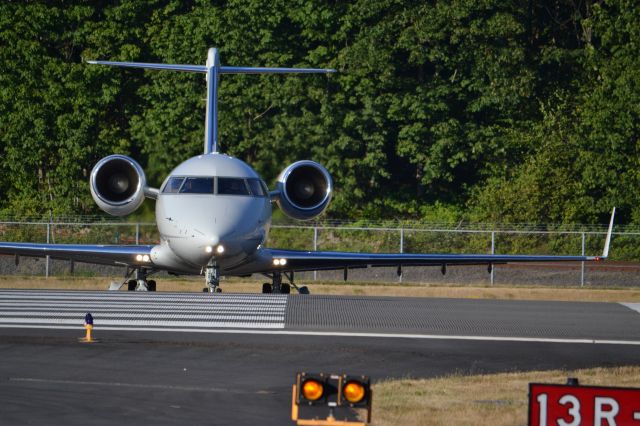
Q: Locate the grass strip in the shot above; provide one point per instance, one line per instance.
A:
(495, 399)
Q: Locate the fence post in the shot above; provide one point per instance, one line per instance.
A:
(582, 266)
(315, 248)
(137, 233)
(493, 251)
(46, 265)
(401, 250)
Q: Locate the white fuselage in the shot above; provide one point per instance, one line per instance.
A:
(211, 208)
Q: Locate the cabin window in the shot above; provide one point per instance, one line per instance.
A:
(197, 185)
(232, 186)
(256, 189)
(173, 186)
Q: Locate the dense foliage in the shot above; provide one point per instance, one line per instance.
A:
(484, 110)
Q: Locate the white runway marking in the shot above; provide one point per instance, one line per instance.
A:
(346, 334)
(126, 310)
(632, 306)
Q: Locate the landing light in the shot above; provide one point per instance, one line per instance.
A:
(142, 257)
(220, 249)
(279, 262)
(145, 258)
(208, 249)
(139, 258)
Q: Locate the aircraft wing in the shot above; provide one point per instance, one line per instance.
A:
(325, 260)
(99, 254)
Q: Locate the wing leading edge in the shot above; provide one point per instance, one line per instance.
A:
(326, 260)
(98, 254)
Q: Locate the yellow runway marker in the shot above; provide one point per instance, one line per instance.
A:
(88, 325)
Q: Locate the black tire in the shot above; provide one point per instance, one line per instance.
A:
(205, 290)
(267, 288)
(151, 285)
(303, 290)
(285, 288)
(131, 285)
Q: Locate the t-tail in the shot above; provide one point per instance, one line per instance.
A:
(213, 69)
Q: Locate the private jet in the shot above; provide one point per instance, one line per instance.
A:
(213, 213)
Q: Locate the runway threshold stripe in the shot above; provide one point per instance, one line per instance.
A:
(82, 305)
(160, 325)
(101, 316)
(248, 330)
(148, 299)
(159, 310)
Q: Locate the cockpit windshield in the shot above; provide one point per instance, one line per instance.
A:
(256, 187)
(173, 186)
(197, 185)
(232, 186)
(215, 185)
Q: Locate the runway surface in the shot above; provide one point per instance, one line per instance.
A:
(221, 359)
(336, 315)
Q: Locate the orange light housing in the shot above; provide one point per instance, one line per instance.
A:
(353, 392)
(312, 390)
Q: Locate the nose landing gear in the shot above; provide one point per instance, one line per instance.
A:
(212, 279)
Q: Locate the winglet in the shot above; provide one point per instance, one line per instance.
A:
(607, 242)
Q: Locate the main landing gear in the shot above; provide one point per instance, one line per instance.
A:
(278, 287)
(140, 283)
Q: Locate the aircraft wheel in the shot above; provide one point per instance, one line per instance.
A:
(151, 285)
(218, 290)
(303, 290)
(285, 288)
(266, 288)
(131, 285)
(205, 290)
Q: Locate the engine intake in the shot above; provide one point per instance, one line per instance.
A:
(304, 190)
(118, 185)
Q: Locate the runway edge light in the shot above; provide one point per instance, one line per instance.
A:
(88, 325)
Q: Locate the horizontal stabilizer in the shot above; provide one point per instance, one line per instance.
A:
(221, 70)
(172, 67)
(259, 70)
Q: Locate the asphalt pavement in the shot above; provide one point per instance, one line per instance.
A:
(161, 361)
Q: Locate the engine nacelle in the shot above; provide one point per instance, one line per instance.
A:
(118, 185)
(304, 190)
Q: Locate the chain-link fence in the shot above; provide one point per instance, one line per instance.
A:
(621, 270)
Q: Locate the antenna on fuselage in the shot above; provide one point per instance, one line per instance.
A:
(213, 69)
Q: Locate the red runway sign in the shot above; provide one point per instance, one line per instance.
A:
(562, 405)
